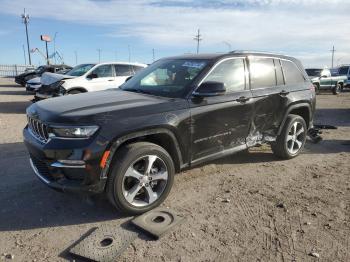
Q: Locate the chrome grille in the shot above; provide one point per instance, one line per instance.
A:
(38, 129)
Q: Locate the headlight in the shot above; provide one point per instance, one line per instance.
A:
(57, 84)
(73, 132)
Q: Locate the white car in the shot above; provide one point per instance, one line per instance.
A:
(87, 78)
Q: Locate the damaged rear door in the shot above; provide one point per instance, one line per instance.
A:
(269, 93)
(220, 123)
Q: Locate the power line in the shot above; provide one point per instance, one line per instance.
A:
(25, 20)
(198, 39)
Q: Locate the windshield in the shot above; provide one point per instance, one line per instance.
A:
(40, 69)
(343, 70)
(79, 70)
(313, 72)
(168, 77)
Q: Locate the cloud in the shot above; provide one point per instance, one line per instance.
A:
(300, 27)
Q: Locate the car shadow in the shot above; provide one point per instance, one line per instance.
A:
(15, 92)
(15, 107)
(26, 203)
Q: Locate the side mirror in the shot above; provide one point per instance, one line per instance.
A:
(210, 88)
(128, 78)
(92, 76)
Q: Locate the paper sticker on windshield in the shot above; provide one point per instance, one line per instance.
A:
(194, 64)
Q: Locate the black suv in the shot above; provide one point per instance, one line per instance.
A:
(176, 113)
(23, 78)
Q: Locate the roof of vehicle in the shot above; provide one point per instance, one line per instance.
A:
(217, 56)
(121, 63)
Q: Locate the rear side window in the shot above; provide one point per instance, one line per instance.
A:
(291, 73)
(262, 72)
(231, 73)
(279, 73)
(124, 70)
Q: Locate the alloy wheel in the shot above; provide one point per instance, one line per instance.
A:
(295, 138)
(145, 180)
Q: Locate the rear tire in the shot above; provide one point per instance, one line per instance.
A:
(317, 89)
(140, 178)
(292, 139)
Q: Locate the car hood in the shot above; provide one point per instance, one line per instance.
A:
(49, 78)
(34, 80)
(121, 104)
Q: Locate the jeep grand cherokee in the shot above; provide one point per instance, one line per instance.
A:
(176, 113)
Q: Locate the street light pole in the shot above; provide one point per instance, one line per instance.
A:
(54, 47)
(25, 18)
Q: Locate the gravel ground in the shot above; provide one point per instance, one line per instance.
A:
(245, 207)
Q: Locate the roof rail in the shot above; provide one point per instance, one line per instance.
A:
(249, 51)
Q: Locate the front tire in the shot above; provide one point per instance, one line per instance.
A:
(292, 139)
(141, 177)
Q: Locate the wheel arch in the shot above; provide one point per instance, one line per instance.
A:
(302, 109)
(78, 88)
(160, 136)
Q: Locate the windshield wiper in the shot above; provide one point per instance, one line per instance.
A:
(137, 90)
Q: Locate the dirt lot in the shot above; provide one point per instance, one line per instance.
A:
(246, 207)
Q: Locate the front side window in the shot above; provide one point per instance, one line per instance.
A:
(231, 73)
(168, 77)
(124, 70)
(137, 68)
(103, 71)
(80, 70)
(292, 73)
(262, 72)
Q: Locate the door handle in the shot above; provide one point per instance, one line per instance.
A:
(110, 80)
(284, 93)
(242, 99)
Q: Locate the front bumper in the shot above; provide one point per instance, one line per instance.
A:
(83, 178)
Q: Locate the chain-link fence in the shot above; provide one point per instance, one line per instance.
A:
(13, 70)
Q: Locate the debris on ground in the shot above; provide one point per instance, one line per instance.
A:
(157, 221)
(314, 254)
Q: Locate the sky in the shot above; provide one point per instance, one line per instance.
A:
(305, 29)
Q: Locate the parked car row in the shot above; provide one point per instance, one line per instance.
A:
(174, 114)
(330, 79)
(86, 78)
(22, 79)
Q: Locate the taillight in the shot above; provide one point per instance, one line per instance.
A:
(312, 88)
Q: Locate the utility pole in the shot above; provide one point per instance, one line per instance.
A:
(76, 57)
(332, 55)
(25, 19)
(198, 39)
(24, 55)
(153, 56)
(99, 54)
